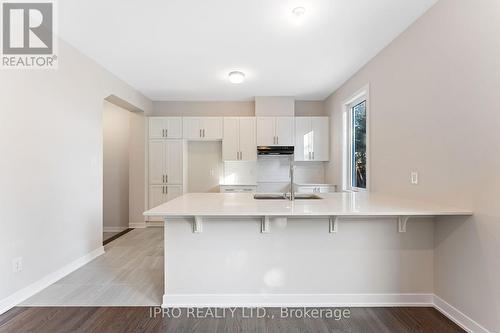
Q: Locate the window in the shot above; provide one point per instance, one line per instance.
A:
(356, 143)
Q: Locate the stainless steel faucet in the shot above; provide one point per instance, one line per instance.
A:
(292, 187)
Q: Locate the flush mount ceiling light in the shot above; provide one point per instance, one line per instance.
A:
(236, 77)
(299, 12)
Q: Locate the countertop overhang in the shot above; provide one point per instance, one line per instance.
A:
(332, 204)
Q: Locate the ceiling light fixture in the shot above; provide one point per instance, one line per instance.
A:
(236, 77)
(299, 12)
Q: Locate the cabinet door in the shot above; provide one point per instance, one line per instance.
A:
(321, 141)
(211, 128)
(173, 161)
(191, 128)
(248, 144)
(230, 142)
(173, 127)
(303, 139)
(266, 131)
(306, 189)
(157, 127)
(284, 131)
(156, 154)
(156, 195)
(172, 192)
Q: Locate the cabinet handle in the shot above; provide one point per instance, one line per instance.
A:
(166, 178)
(200, 132)
(166, 133)
(313, 155)
(163, 189)
(162, 178)
(277, 140)
(166, 189)
(203, 132)
(241, 155)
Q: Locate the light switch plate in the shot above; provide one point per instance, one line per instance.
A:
(17, 265)
(414, 178)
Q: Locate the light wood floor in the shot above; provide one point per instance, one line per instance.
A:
(129, 273)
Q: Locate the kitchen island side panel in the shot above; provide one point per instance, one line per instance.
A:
(298, 256)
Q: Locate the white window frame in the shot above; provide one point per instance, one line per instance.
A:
(359, 96)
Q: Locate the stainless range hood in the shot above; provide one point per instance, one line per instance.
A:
(275, 150)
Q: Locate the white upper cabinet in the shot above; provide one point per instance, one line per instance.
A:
(266, 135)
(230, 143)
(321, 138)
(165, 127)
(275, 131)
(248, 142)
(165, 162)
(212, 128)
(239, 143)
(284, 131)
(202, 128)
(312, 139)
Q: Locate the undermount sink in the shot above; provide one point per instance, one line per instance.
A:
(298, 196)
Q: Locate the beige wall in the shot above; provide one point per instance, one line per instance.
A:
(226, 109)
(434, 108)
(51, 166)
(116, 138)
(137, 164)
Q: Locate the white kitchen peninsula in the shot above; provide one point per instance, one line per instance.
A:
(229, 249)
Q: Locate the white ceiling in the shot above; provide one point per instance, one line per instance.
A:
(184, 49)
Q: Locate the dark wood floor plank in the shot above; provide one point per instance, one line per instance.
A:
(118, 235)
(138, 319)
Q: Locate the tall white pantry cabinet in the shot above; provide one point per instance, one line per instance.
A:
(165, 160)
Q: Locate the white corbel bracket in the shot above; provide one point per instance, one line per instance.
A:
(402, 220)
(333, 224)
(265, 225)
(197, 224)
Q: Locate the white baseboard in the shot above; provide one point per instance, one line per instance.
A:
(324, 300)
(113, 229)
(460, 318)
(25, 293)
(296, 300)
(155, 224)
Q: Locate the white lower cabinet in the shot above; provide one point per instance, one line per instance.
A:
(310, 189)
(159, 194)
(238, 188)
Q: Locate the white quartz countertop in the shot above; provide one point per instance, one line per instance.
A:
(331, 204)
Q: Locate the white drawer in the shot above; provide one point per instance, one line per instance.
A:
(238, 188)
(316, 189)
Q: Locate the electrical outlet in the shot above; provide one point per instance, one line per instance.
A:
(414, 178)
(17, 264)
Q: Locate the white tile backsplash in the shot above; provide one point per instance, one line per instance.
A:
(273, 169)
(240, 173)
(271, 173)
